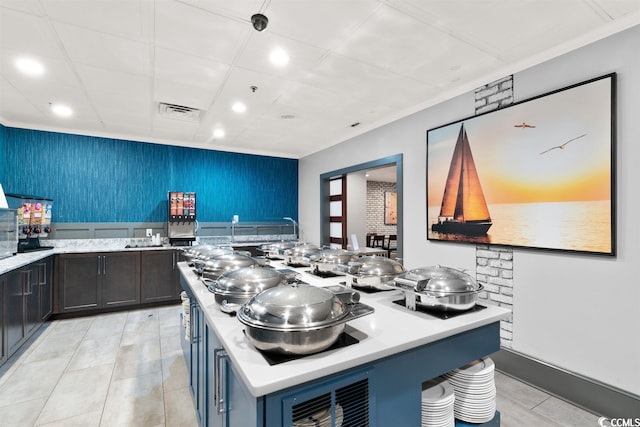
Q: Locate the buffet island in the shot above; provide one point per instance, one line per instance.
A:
(373, 375)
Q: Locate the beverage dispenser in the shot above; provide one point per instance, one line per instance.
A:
(34, 220)
(182, 224)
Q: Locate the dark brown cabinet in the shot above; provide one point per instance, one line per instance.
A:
(26, 303)
(160, 280)
(97, 280)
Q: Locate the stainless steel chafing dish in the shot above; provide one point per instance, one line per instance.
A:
(236, 287)
(299, 255)
(439, 288)
(327, 260)
(299, 318)
(375, 272)
(276, 250)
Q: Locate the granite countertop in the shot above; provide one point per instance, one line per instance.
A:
(71, 246)
(384, 333)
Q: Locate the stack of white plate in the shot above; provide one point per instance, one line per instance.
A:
(437, 403)
(475, 391)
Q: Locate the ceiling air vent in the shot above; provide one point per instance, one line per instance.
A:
(180, 112)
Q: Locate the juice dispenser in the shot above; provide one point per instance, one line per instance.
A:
(182, 224)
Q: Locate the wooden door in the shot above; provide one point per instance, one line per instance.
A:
(337, 200)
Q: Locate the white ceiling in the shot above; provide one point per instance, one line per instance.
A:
(351, 61)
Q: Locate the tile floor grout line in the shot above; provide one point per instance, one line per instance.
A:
(55, 324)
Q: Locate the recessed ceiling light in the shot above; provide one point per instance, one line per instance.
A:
(279, 57)
(30, 66)
(239, 107)
(61, 110)
(218, 133)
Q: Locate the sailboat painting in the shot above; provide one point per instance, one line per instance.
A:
(464, 209)
(536, 174)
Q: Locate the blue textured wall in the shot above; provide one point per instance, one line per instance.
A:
(108, 180)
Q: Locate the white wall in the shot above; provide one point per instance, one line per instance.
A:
(577, 312)
(357, 207)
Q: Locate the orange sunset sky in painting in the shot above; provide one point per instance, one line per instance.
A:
(508, 159)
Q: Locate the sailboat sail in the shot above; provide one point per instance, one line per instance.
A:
(464, 209)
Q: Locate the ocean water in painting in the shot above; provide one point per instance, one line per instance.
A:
(577, 226)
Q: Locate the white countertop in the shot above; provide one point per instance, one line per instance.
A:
(390, 330)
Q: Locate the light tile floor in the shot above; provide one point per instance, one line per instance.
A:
(127, 369)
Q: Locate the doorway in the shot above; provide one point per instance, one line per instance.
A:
(339, 223)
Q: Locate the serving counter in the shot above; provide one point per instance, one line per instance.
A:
(396, 351)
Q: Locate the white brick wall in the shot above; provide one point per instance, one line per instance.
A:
(494, 265)
(375, 207)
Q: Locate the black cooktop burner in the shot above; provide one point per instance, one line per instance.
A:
(324, 274)
(298, 265)
(365, 289)
(442, 314)
(344, 340)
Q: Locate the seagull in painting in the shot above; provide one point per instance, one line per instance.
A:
(563, 145)
(524, 125)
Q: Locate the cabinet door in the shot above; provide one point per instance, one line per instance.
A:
(78, 281)
(120, 273)
(214, 373)
(196, 361)
(3, 326)
(159, 276)
(31, 299)
(14, 305)
(45, 282)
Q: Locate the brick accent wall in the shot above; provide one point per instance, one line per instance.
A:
(494, 265)
(375, 207)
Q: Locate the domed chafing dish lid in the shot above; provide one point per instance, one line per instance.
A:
(278, 246)
(293, 307)
(228, 261)
(302, 250)
(441, 279)
(332, 256)
(246, 281)
(376, 266)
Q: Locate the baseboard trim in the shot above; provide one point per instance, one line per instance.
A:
(586, 393)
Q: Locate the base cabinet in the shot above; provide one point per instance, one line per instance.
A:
(97, 280)
(382, 393)
(220, 398)
(26, 303)
(159, 276)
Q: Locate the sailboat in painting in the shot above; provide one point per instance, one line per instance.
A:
(464, 209)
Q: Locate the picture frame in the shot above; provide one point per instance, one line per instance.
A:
(390, 208)
(537, 174)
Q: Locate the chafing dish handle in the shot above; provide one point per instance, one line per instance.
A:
(219, 397)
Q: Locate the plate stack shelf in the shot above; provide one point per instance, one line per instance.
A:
(475, 391)
(437, 403)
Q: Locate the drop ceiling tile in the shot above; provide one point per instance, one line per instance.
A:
(15, 107)
(29, 6)
(188, 69)
(131, 19)
(57, 72)
(319, 23)
(238, 10)
(106, 85)
(507, 30)
(188, 29)
(104, 51)
(255, 55)
(182, 94)
(618, 8)
(28, 35)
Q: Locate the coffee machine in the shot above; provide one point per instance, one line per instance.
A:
(182, 224)
(34, 220)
